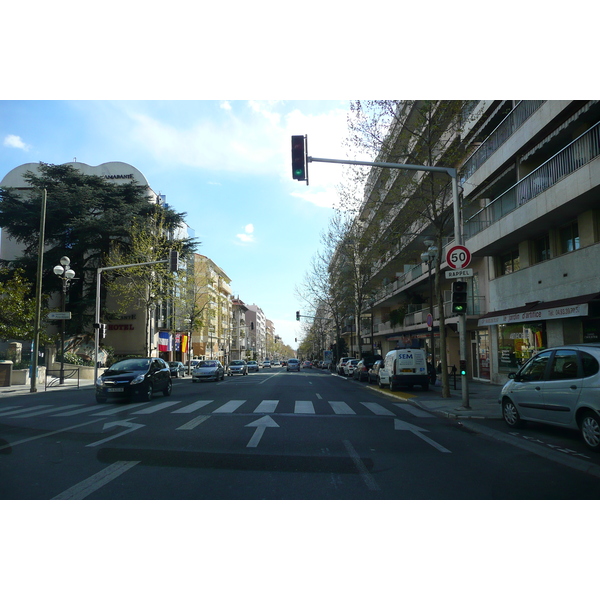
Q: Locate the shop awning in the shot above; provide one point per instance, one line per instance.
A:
(576, 306)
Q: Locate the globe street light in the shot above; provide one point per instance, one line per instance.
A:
(64, 272)
(429, 257)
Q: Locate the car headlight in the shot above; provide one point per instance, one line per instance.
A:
(138, 379)
(99, 382)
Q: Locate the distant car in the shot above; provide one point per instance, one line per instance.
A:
(252, 366)
(134, 378)
(559, 387)
(276, 363)
(362, 369)
(266, 364)
(206, 370)
(237, 367)
(349, 366)
(340, 365)
(293, 364)
(374, 371)
(307, 364)
(177, 368)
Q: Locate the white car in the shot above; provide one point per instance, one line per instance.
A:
(266, 363)
(560, 387)
(293, 365)
(349, 366)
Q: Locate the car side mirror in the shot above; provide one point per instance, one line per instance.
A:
(512, 375)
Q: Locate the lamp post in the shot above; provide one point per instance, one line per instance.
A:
(428, 257)
(64, 272)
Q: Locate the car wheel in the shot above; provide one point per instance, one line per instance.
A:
(167, 390)
(100, 400)
(149, 392)
(379, 382)
(511, 414)
(590, 430)
(393, 388)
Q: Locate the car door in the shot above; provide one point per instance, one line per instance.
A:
(526, 390)
(161, 374)
(562, 388)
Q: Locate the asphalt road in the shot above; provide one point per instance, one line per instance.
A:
(268, 435)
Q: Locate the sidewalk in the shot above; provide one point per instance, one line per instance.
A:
(19, 390)
(483, 401)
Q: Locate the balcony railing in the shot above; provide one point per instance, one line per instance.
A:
(577, 154)
(520, 113)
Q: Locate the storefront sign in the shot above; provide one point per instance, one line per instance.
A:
(546, 314)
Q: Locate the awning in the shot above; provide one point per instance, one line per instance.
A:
(576, 306)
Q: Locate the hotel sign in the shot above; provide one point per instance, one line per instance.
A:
(544, 314)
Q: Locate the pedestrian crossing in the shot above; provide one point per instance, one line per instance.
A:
(319, 406)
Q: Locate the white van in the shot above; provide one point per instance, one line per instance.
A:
(405, 367)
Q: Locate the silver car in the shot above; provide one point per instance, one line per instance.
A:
(206, 370)
(293, 365)
(237, 367)
(559, 386)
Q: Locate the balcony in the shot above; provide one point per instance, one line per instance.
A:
(574, 156)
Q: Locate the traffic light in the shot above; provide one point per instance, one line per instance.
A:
(299, 170)
(459, 297)
(463, 367)
(173, 261)
(297, 315)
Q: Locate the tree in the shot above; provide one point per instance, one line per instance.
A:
(85, 214)
(398, 204)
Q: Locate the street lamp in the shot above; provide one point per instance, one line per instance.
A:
(429, 256)
(64, 272)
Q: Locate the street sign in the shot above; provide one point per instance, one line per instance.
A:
(429, 320)
(458, 273)
(59, 315)
(458, 257)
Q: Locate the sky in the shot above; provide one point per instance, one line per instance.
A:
(225, 163)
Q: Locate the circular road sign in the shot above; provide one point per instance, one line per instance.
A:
(458, 257)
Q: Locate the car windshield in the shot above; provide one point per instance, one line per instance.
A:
(236, 362)
(174, 364)
(207, 363)
(131, 364)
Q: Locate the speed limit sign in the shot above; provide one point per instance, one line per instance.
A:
(458, 257)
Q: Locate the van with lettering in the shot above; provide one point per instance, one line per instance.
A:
(406, 367)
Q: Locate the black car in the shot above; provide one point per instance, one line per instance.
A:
(177, 369)
(134, 378)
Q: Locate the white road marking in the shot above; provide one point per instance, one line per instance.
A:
(267, 406)
(118, 409)
(261, 424)
(95, 482)
(341, 408)
(360, 465)
(156, 407)
(194, 422)
(319, 396)
(76, 412)
(229, 407)
(417, 412)
(129, 428)
(192, 407)
(378, 409)
(44, 411)
(404, 426)
(25, 410)
(304, 407)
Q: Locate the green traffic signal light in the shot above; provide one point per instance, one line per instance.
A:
(299, 157)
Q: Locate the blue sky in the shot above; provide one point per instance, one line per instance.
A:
(224, 163)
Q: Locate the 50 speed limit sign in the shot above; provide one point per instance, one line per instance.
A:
(458, 257)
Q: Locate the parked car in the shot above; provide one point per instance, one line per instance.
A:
(237, 367)
(404, 367)
(293, 364)
(362, 369)
(177, 368)
(252, 366)
(134, 378)
(374, 371)
(206, 370)
(349, 366)
(340, 365)
(266, 364)
(559, 386)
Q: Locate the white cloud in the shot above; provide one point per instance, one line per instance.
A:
(15, 141)
(248, 236)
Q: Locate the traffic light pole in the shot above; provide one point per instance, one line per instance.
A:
(462, 319)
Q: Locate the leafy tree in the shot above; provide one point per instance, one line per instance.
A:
(85, 214)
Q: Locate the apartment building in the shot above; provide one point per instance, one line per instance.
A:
(530, 187)
(257, 332)
(239, 330)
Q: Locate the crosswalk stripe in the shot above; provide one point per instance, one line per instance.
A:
(341, 408)
(194, 422)
(267, 406)
(304, 407)
(118, 409)
(229, 407)
(192, 407)
(156, 407)
(378, 409)
(77, 411)
(25, 410)
(45, 411)
(6, 408)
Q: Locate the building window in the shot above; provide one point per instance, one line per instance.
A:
(569, 237)
(518, 343)
(509, 262)
(542, 249)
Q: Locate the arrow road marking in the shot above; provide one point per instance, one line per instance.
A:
(260, 424)
(404, 426)
(125, 423)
